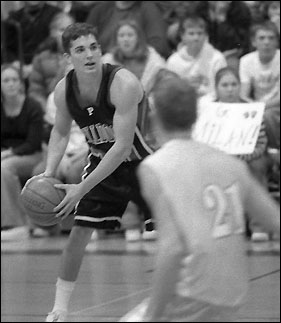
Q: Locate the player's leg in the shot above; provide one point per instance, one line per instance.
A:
(259, 168)
(149, 232)
(70, 265)
(132, 223)
(101, 209)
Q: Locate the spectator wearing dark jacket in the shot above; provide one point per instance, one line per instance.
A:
(25, 29)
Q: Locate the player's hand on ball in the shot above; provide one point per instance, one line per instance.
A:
(72, 197)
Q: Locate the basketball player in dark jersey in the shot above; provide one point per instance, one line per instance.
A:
(105, 102)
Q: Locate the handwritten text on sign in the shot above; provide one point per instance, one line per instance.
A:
(231, 127)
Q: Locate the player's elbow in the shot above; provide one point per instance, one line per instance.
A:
(126, 152)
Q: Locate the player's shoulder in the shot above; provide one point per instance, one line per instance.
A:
(59, 92)
(125, 82)
(124, 76)
(234, 164)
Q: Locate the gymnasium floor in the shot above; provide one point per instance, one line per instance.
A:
(115, 276)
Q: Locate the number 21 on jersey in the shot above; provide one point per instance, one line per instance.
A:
(226, 205)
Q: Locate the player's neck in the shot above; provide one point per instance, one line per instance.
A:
(177, 135)
(91, 79)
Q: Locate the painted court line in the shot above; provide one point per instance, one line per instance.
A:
(116, 300)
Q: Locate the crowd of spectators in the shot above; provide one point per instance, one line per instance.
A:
(195, 39)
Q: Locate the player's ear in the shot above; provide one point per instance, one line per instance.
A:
(67, 57)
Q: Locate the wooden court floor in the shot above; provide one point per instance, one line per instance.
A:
(115, 276)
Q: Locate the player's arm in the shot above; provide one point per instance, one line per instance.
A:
(60, 132)
(261, 207)
(170, 247)
(126, 93)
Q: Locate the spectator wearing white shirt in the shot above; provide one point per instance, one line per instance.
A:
(196, 59)
(260, 77)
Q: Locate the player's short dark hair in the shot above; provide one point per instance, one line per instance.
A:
(175, 102)
(74, 31)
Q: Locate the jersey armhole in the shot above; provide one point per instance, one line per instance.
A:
(110, 80)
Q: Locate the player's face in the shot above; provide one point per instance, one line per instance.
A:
(228, 89)
(194, 38)
(265, 42)
(85, 54)
(10, 83)
(127, 39)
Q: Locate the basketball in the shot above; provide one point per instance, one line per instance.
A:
(39, 199)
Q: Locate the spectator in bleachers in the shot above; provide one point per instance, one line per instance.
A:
(8, 6)
(131, 51)
(196, 59)
(256, 10)
(27, 28)
(21, 138)
(260, 77)
(228, 90)
(106, 15)
(272, 12)
(80, 9)
(65, 6)
(48, 64)
(173, 18)
(228, 25)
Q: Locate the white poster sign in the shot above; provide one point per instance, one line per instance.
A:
(230, 127)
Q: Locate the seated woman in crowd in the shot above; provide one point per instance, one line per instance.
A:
(227, 89)
(21, 139)
(132, 52)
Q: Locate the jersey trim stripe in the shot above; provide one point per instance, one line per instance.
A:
(136, 152)
(144, 144)
(91, 219)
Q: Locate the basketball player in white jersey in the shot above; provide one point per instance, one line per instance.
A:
(199, 196)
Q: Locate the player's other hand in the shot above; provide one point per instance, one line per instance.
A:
(72, 197)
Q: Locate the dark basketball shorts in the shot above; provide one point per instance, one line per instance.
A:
(104, 205)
